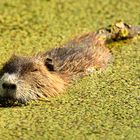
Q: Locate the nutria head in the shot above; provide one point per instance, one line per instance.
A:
(26, 78)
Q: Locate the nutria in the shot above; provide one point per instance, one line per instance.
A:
(48, 74)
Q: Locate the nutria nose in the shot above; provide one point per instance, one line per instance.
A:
(9, 86)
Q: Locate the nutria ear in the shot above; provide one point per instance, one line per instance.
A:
(49, 64)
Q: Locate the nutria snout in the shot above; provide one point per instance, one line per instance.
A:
(48, 74)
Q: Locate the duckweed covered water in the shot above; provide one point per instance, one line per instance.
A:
(103, 106)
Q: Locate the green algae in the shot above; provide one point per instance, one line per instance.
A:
(101, 106)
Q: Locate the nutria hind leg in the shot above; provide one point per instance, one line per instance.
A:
(101, 58)
(99, 62)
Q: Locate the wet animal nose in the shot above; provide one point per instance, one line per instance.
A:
(9, 86)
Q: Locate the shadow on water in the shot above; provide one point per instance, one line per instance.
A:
(5, 103)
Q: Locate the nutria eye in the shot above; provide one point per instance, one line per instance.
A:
(34, 70)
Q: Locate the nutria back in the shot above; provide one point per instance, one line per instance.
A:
(80, 54)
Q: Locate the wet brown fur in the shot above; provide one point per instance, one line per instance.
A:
(74, 58)
(80, 54)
